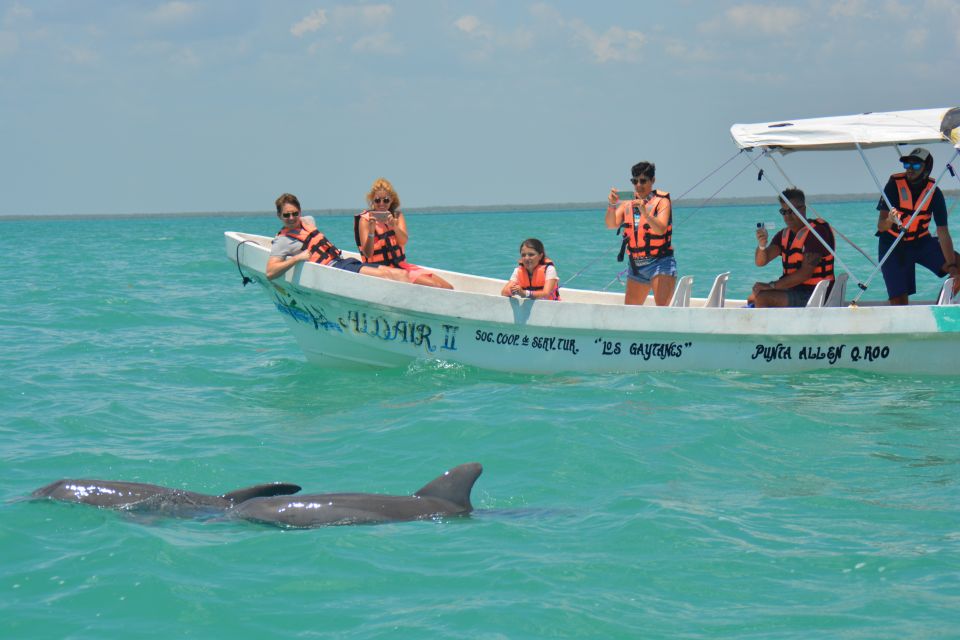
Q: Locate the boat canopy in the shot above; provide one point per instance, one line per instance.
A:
(863, 130)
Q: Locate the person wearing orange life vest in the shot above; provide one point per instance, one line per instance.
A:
(381, 235)
(535, 276)
(647, 225)
(300, 241)
(805, 259)
(906, 192)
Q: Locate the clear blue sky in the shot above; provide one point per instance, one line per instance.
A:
(220, 105)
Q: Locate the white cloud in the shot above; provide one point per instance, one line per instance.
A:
(758, 19)
(17, 12)
(80, 56)
(850, 9)
(310, 23)
(369, 15)
(491, 38)
(614, 45)
(468, 24)
(378, 43)
(171, 12)
(915, 39)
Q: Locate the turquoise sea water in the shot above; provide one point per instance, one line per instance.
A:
(648, 505)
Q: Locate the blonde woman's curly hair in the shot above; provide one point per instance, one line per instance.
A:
(382, 184)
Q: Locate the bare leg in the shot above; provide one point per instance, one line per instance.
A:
(636, 292)
(900, 300)
(771, 298)
(385, 272)
(663, 289)
(433, 280)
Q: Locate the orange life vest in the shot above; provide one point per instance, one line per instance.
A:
(905, 208)
(321, 249)
(791, 253)
(539, 279)
(386, 248)
(640, 241)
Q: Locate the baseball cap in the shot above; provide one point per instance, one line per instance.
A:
(919, 153)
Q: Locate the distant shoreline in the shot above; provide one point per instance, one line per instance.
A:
(493, 208)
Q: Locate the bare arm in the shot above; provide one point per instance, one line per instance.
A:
(277, 266)
(950, 264)
(399, 225)
(886, 220)
(614, 215)
(366, 227)
(659, 220)
(764, 253)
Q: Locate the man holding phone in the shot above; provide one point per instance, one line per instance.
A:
(907, 192)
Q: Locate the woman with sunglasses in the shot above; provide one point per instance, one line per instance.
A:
(647, 225)
(299, 240)
(908, 192)
(381, 235)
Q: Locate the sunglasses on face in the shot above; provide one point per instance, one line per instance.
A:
(636, 181)
(916, 166)
(786, 212)
(290, 214)
(383, 200)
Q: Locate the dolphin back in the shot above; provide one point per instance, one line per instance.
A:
(454, 485)
(262, 491)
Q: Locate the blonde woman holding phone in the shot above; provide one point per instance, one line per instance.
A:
(381, 235)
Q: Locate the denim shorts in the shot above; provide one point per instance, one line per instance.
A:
(644, 270)
(347, 264)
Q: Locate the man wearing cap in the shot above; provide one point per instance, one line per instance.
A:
(908, 192)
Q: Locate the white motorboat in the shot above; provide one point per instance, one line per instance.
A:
(341, 321)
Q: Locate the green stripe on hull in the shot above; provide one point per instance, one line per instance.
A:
(947, 317)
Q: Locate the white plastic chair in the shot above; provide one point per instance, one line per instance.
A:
(718, 293)
(837, 293)
(681, 294)
(819, 293)
(946, 293)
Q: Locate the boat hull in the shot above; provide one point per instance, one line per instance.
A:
(346, 320)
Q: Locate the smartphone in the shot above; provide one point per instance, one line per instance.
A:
(625, 195)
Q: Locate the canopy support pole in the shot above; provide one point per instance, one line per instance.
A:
(832, 226)
(903, 228)
(837, 259)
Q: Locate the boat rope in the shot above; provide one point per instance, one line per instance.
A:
(619, 279)
(244, 279)
(722, 187)
(683, 195)
(837, 259)
(816, 213)
(903, 227)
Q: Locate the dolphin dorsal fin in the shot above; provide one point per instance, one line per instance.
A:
(454, 485)
(262, 491)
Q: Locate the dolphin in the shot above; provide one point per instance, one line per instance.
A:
(138, 497)
(446, 495)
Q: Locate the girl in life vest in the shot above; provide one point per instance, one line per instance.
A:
(535, 275)
(646, 222)
(381, 235)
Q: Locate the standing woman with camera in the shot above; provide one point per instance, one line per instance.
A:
(381, 235)
(647, 226)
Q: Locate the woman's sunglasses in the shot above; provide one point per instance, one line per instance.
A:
(636, 181)
(383, 200)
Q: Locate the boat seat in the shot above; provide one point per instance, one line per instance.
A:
(681, 293)
(819, 293)
(946, 293)
(838, 292)
(718, 293)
